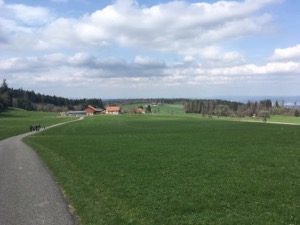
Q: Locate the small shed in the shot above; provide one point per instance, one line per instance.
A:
(76, 113)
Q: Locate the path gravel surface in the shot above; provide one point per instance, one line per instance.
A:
(29, 194)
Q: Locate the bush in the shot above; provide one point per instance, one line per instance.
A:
(264, 115)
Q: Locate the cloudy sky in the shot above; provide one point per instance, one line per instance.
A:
(157, 48)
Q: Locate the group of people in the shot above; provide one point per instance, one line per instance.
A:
(35, 128)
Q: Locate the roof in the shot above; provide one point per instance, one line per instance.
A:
(113, 108)
(89, 106)
(95, 109)
(76, 112)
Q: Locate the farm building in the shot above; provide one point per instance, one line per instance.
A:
(90, 110)
(76, 113)
(113, 110)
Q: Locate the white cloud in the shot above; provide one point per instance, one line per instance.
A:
(196, 24)
(80, 59)
(92, 68)
(145, 61)
(176, 26)
(251, 69)
(27, 15)
(19, 24)
(291, 53)
(197, 41)
(141, 66)
(217, 55)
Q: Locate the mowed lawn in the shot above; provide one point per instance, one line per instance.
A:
(140, 169)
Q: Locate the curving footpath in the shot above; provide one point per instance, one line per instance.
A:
(29, 194)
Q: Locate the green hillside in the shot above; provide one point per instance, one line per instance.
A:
(17, 121)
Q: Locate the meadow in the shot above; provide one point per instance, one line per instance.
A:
(161, 109)
(17, 121)
(179, 169)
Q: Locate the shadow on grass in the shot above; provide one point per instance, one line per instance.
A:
(3, 115)
(12, 113)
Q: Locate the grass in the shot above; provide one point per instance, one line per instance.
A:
(17, 121)
(161, 109)
(175, 170)
(172, 109)
(272, 119)
(285, 119)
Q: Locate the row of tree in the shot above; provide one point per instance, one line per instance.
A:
(211, 107)
(30, 100)
(263, 108)
(146, 101)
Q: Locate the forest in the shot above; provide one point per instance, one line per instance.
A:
(29, 100)
(263, 108)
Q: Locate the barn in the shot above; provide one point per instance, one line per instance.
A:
(90, 110)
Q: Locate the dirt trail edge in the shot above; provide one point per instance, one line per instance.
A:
(29, 194)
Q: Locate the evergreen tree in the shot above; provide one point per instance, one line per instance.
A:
(5, 97)
(148, 109)
(1, 105)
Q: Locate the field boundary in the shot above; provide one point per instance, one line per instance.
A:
(270, 122)
(259, 121)
(283, 123)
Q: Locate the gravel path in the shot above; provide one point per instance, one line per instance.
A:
(29, 194)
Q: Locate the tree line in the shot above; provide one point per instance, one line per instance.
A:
(29, 100)
(263, 108)
(145, 101)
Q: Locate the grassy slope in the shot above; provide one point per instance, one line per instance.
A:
(17, 121)
(160, 109)
(176, 170)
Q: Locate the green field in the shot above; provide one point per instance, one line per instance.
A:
(161, 109)
(162, 169)
(285, 119)
(17, 121)
(273, 119)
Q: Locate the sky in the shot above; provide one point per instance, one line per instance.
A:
(151, 49)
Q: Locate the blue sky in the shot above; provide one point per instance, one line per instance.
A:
(140, 49)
